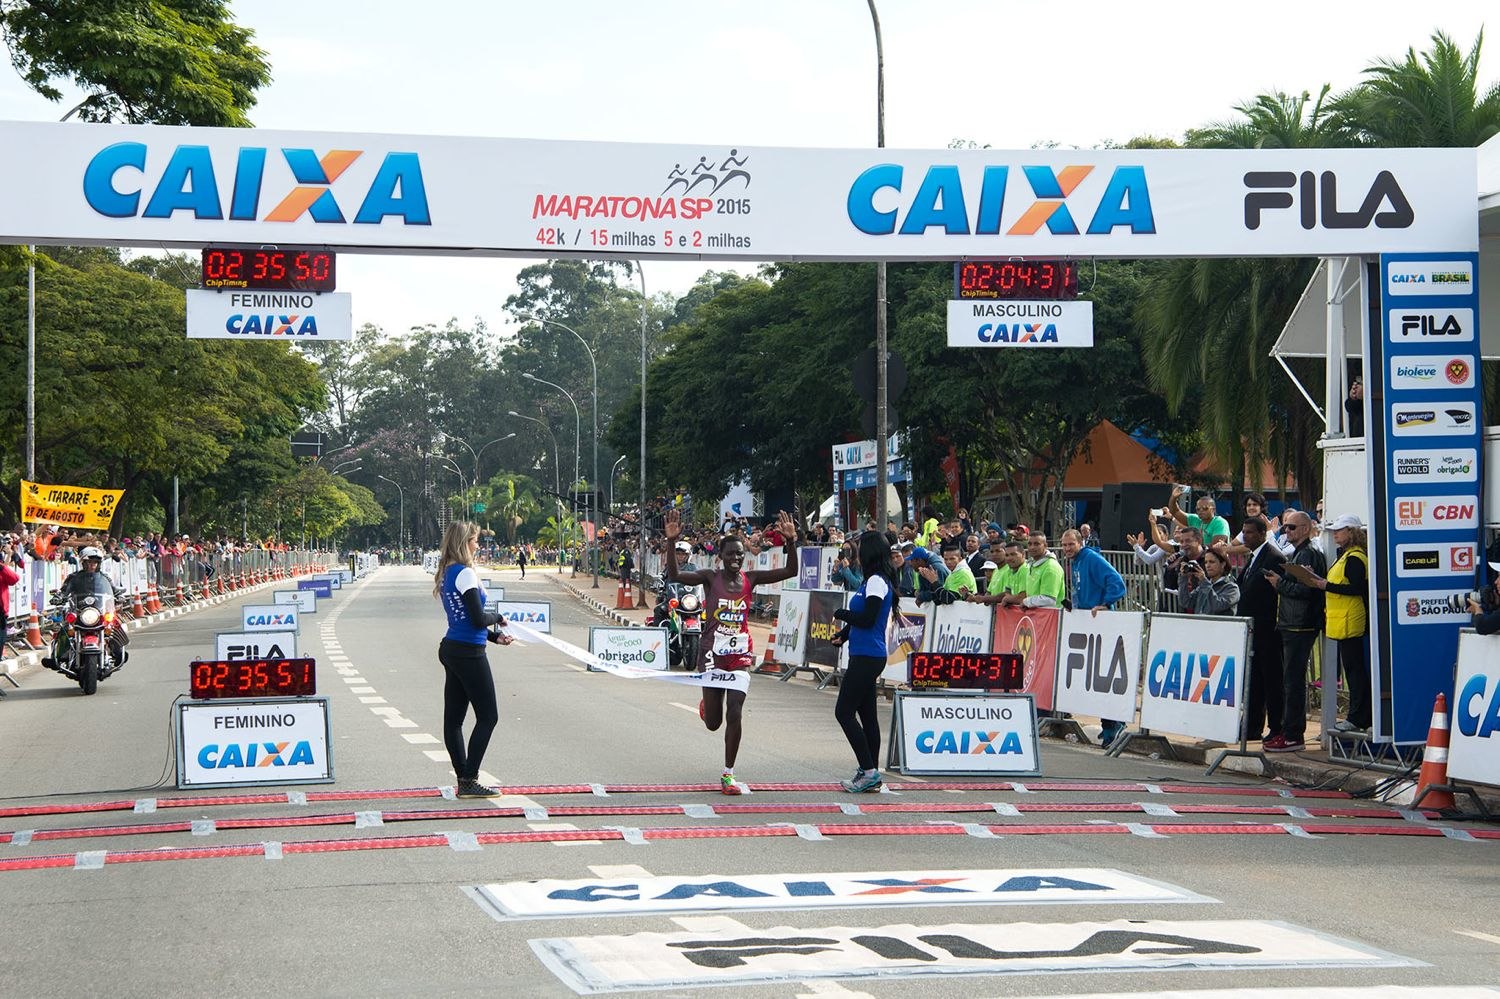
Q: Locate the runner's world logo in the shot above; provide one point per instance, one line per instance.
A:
(1437, 513)
(1434, 278)
(1440, 465)
(1432, 325)
(1413, 371)
(1432, 419)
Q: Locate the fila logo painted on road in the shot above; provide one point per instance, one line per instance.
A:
(1316, 198)
(941, 201)
(682, 893)
(117, 177)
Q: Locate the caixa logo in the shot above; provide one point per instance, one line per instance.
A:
(113, 186)
(1469, 711)
(1196, 677)
(1316, 197)
(254, 754)
(965, 743)
(266, 620)
(941, 200)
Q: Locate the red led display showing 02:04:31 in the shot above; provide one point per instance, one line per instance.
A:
(1015, 279)
(965, 670)
(216, 678)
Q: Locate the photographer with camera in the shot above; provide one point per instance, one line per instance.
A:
(1214, 589)
(1486, 610)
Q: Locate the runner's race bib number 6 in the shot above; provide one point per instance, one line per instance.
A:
(734, 643)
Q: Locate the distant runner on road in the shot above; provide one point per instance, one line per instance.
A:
(728, 593)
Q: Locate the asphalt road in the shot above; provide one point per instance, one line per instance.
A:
(1367, 912)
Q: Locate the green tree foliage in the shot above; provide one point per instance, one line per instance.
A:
(168, 62)
(1434, 98)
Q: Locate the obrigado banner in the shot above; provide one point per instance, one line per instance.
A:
(174, 186)
(68, 506)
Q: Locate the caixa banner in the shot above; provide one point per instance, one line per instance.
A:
(269, 315)
(1004, 325)
(174, 186)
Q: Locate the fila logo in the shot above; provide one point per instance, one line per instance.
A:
(1317, 199)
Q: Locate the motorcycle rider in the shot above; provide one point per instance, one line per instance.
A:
(81, 584)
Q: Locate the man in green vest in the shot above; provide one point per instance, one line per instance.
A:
(1046, 584)
(1009, 580)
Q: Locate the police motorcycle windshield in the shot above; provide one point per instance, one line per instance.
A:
(97, 587)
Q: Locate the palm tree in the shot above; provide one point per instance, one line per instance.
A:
(1431, 99)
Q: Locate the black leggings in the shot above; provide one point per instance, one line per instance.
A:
(857, 711)
(469, 682)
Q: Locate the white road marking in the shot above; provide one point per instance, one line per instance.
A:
(485, 777)
(385, 711)
(355, 679)
(420, 738)
(436, 755)
(400, 723)
(1306, 992)
(558, 827)
(361, 690)
(829, 990)
(620, 871)
(711, 924)
(1486, 937)
(372, 700)
(677, 704)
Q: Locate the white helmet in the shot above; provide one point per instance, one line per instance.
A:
(91, 552)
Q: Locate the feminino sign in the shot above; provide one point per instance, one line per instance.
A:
(269, 315)
(174, 186)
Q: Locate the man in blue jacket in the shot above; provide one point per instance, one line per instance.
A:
(1094, 584)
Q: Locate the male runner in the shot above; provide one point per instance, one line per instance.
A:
(727, 604)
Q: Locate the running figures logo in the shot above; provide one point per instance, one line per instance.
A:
(709, 176)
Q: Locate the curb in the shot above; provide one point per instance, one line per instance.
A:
(31, 659)
(598, 606)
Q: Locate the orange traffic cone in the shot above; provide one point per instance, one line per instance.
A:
(1435, 761)
(137, 609)
(623, 599)
(34, 630)
(153, 599)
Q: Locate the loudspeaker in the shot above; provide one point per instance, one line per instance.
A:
(1136, 502)
(1109, 518)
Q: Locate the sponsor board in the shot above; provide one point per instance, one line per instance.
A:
(272, 617)
(791, 628)
(253, 742)
(1457, 464)
(1474, 752)
(901, 640)
(1435, 558)
(1436, 326)
(535, 614)
(303, 316)
(819, 649)
(1031, 632)
(1431, 606)
(809, 568)
(492, 590)
(642, 647)
(305, 600)
(1099, 668)
(964, 734)
(321, 587)
(336, 580)
(230, 646)
(1195, 676)
(1432, 372)
(870, 889)
(1430, 278)
(1431, 418)
(862, 454)
(960, 627)
(738, 955)
(1017, 325)
(1436, 513)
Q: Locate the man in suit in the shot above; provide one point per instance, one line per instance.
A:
(1258, 602)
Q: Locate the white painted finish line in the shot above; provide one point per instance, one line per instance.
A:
(687, 960)
(711, 893)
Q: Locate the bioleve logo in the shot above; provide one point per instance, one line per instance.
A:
(942, 201)
(188, 182)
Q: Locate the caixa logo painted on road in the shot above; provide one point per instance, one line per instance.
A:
(969, 743)
(255, 754)
(116, 178)
(942, 201)
(1195, 677)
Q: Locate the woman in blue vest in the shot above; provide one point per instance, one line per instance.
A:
(463, 657)
(866, 617)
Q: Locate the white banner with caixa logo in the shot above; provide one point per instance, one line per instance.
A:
(1020, 324)
(1195, 675)
(269, 315)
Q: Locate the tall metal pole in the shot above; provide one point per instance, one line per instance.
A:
(556, 479)
(401, 506)
(577, 424)
(31, 363)
(612, 483)
(882, 401)
(594, 480)
(641, 597)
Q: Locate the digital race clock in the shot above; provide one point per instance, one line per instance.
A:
(216, 678)
(965, 670)
(1015, 279)
(271, 270)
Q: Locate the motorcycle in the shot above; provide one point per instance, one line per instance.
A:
(680, 611)
(93, 647)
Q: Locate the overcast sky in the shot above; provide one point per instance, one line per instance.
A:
(1003, 73)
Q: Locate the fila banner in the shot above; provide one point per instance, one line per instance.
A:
(68, 506)
(173, 186)
(1032, 633)
(1195, 675)
(1099, 668)
(1474, 752)
(269, 315)
(230, 646)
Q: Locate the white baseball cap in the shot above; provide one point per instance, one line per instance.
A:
(683, 546)
(1344, 521)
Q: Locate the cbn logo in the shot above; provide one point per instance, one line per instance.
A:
(940, 200)
(253, 754)
(189, 183)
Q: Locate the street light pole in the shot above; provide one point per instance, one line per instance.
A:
(556, 480)
(594, 479)
(577, 423)
(641, 596)
(882, 400)
(612, 471)
(401, 524)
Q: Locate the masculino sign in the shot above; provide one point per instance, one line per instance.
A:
(269, 315)
(973, 734)
(1020, 324)
(175, 186)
